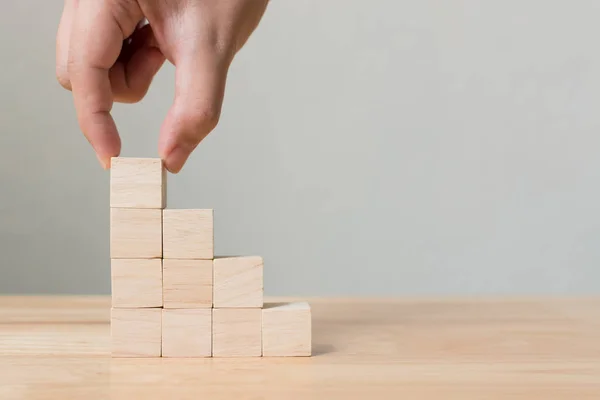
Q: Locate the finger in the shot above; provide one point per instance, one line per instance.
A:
(138, 63)
(62, 43)
(199, 88)
(96, 40)
(143, 36)
(131, 81)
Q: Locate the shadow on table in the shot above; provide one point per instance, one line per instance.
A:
(322, 349)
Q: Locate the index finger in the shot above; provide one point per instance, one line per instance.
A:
(96, 41)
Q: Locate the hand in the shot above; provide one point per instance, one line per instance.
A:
(104, 54)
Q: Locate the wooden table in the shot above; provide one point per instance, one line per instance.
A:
(57, 348)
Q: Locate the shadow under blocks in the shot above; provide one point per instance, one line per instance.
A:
(171, 297)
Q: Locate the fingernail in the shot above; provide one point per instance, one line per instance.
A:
(176, 159)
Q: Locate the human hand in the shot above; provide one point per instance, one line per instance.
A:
(104, 54)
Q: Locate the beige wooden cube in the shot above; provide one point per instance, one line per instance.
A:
(286, 329)
(236, 332)
(187, 333)
(188, 234)
(238, 282)
(136, 283)
(136, 332)
(187, 283)
(137, 183)
(135, 233)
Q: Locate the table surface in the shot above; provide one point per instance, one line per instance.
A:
(57, 348)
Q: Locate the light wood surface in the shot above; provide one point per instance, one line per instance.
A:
(138, 183)
(136, 332)
(238, 282)
(187, 332)
(237, 332)
(450, 349)
(286, 329)
(188, 234)
(135, 233)
(187, 283)
(136, 283)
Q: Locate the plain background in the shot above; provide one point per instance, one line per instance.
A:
(365, 148)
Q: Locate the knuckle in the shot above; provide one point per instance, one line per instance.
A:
(126, 13)
(196, 123)
(208, 117)
(203, 118)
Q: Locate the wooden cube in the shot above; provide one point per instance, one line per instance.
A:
(238, 282)
(187, 333)
(237, 332)
(188, 234)
(187, 283)
(135, 233)
(136, 332)
(136, 283)
(137, 183)
(286, 330)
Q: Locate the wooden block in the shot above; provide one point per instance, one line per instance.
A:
(187, 332)
(136, 283)
(238, 282)
(136, 332)
(286, 329)
(187, 283)
(237, 332)
(135, 233)
(137, 183)
(188, 234)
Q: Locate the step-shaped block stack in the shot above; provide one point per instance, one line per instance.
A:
(171, 297)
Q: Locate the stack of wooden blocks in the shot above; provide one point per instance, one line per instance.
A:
(171, 297)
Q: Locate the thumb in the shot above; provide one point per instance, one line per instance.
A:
(199, 89)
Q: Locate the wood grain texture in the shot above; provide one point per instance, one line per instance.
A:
(135, 233)
(238, 282)
(55, 348)
(237, 332)
(187, 333)
(136, 332)
(188, 234)
(136, 283)
(187, 283)
(286, 330)
(138, 183)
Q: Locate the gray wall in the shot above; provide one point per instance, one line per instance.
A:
(365, 148)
